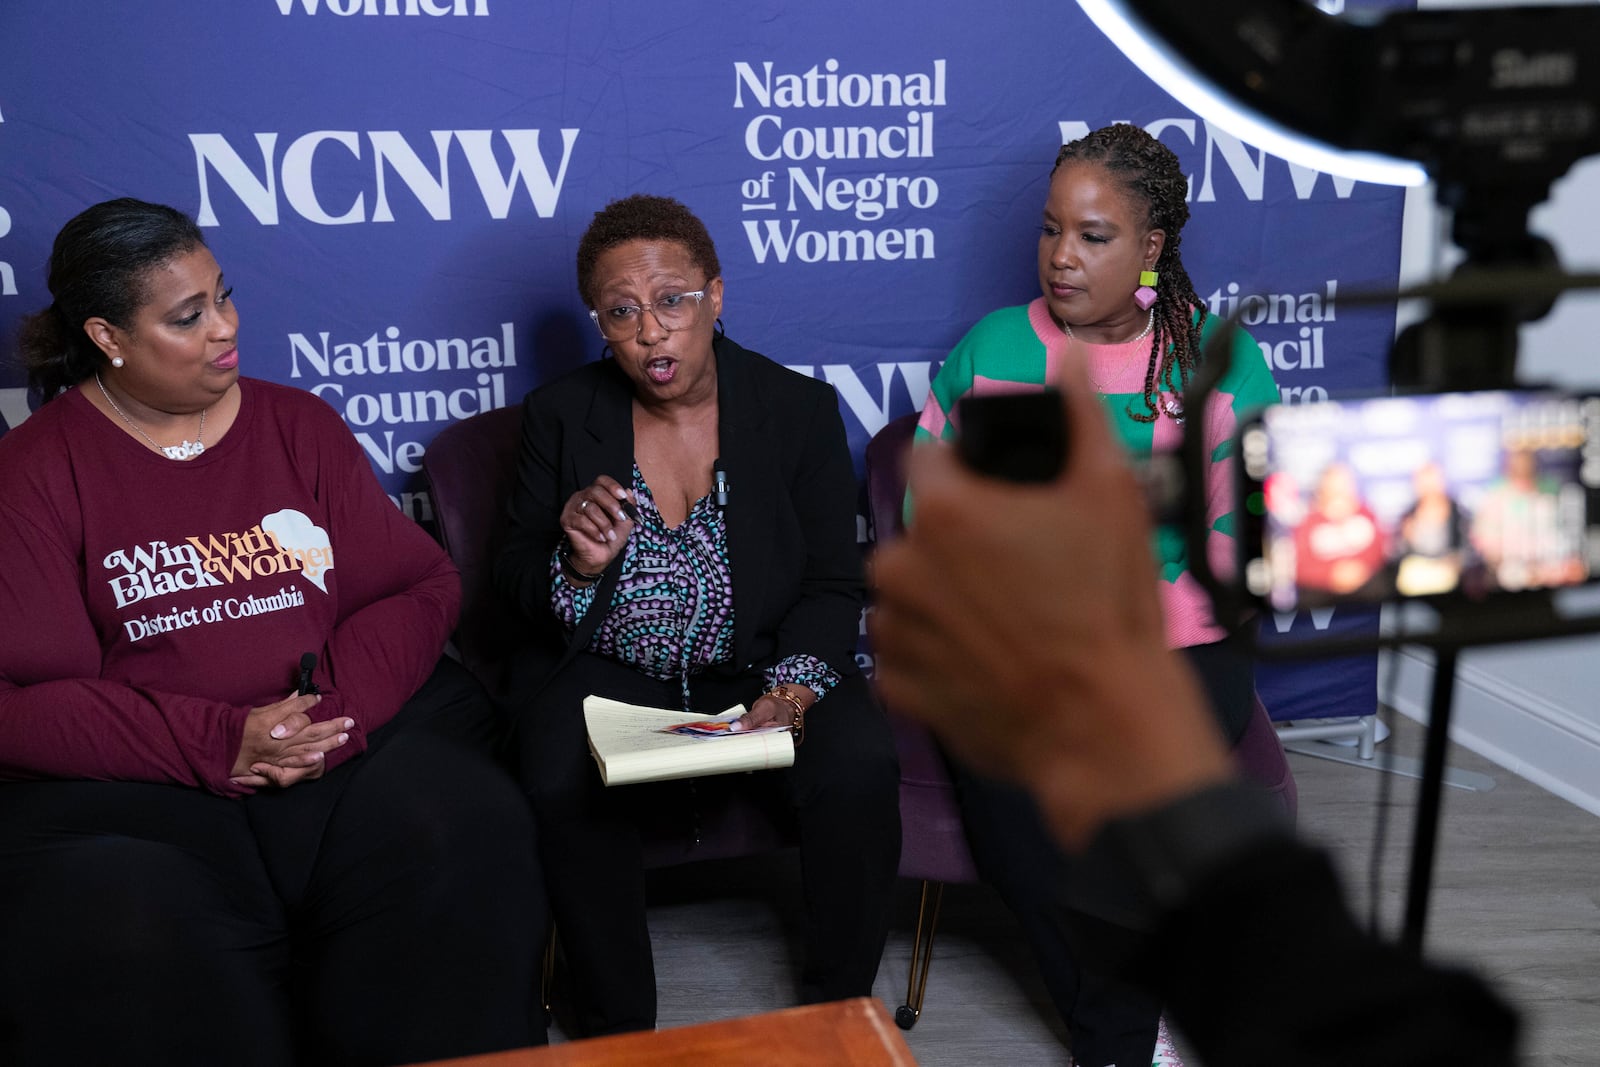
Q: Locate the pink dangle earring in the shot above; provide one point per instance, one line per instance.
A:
(1145, 295)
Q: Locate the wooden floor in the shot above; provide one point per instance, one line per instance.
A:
(1517, 895)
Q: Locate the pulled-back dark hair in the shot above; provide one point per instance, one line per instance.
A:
(99, 266)
(1149, 172)
(643, 218)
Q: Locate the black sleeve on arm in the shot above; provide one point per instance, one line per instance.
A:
(1263, 965)
(825, 618)
(522, 567)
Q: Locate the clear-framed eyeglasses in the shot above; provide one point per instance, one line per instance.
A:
(673, 311)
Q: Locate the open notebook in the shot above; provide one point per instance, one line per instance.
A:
(628, 744)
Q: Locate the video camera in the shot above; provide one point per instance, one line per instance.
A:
(1462, 489)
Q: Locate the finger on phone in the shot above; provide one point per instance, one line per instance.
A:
(1089, 433)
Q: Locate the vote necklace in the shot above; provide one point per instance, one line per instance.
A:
(182, 450)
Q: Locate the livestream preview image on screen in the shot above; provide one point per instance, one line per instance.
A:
(1451, 493)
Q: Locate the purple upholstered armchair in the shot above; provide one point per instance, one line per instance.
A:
(935, 848)
(934, 842)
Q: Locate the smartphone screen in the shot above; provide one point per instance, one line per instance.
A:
(1448, 494)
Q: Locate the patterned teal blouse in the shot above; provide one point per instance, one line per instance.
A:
(671, 615)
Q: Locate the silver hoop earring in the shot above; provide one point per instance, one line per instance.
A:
(117, 361)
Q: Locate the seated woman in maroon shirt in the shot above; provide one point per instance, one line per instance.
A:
(1339, 547)
(202, 860)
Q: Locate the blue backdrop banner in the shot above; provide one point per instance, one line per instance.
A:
(396, 188)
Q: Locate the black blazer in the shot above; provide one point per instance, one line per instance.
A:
(791, 512)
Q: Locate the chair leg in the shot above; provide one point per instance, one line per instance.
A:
(907, 1014)
(547, 975)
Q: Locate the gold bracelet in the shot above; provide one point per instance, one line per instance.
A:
(798, 727)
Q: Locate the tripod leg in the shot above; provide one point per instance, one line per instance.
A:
(1428, 800)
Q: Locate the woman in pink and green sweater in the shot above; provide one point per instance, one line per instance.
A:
(1116, 298)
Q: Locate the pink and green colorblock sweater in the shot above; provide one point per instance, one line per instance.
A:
(1017, 349)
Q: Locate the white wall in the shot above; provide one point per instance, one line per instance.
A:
(1533, 708)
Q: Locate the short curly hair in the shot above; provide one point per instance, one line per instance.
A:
(643, 218)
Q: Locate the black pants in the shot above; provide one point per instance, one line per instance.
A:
(1076, 916)
(843, 792)
(387, 913)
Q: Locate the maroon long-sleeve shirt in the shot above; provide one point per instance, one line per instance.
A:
(147, 604)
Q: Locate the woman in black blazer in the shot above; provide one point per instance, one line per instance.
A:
(683, 535)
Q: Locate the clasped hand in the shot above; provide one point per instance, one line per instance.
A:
(282, 746)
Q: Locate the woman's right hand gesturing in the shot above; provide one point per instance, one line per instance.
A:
(597, 520)
(282, 746)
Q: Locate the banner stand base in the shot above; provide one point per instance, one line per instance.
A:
(1401, 766)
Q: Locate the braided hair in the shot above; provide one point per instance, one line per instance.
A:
(1149, 172)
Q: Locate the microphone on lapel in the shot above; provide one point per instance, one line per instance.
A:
(308, 663)
(721, 479)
